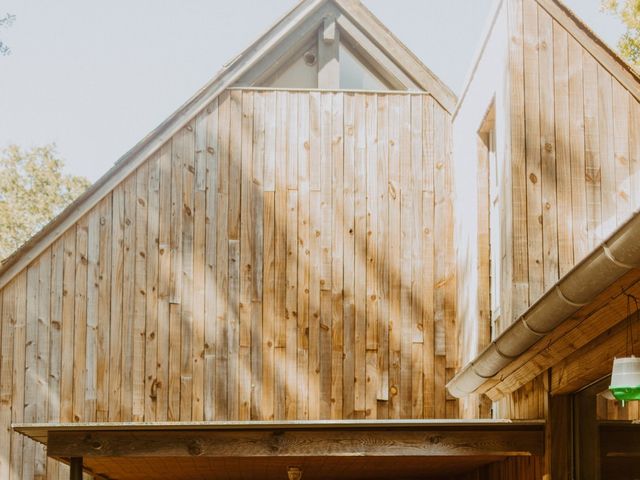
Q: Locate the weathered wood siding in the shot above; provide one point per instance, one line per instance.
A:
(574, 147)
(286, 255)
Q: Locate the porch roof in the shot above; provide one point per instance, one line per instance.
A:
(235, 450)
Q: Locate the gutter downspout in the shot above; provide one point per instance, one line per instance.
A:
(603, 266)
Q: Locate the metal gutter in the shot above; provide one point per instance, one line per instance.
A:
(603, 266)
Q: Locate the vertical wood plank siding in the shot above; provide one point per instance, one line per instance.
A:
(285, 255)
(574, 153)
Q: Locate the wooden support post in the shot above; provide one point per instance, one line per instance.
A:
(559, 438)
(328, 55)
(75, 472)
(587, 437)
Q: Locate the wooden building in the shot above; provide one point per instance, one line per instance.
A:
(326, 264)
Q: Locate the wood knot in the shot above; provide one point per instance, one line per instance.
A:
(211, 150)
(194, 448)
(533, 178)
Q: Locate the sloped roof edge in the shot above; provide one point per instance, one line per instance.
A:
(224, 79)
(602, 52)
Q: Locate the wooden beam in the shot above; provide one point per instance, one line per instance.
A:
(620, 439)
(592, 361)
(75, 470)
(298, 443)
(328, 54)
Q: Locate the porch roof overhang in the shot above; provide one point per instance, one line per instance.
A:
(586, 304)
(341, 449)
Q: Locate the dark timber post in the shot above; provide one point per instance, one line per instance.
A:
(76, 468)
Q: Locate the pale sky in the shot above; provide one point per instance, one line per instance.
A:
(96, 77)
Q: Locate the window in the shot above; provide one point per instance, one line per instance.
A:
(490, 228)
(354, 75)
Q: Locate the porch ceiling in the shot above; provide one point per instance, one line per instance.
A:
(334, 449)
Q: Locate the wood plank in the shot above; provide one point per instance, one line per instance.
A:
(140, 293)
(7, 319)
(92, 312)
(233, 333)
(315, 251)
(372, 258)
(235, 163)
(592, 151)
(304, 267)
(451, 327)
(417, 259)
(187, 173)
(620, 99)
(128, 297)
(533, 161)
(247, 240)
(80, 319)
(518, 263)
(382, 234)
(606, 143)
(175, 277)
(428, 248)
(257, 253)
(337, 185)
(548, 152)
(577, 150)
(348, 263)
(164, 286)
(210, 301)
(563, 127)
(42, 352)
(406, 258)
(222, 259)
(30, 366)
(291, 313)
(299, 443)
(199, 265)
(268, 308)
(115, 329)
(326, 241)
(151, 289)
(55, 334)
(104, 310)
(19, 372)
(280, 255)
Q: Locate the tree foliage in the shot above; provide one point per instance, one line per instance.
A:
(629, 12)
(6, 22)
(33, 189)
